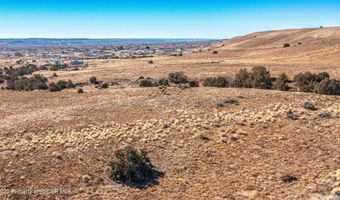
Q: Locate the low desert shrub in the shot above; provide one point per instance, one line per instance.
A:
(2, 78)
(216, 82)
(260, 78)
(11, 74)
(70, 84)
(329, 87)
(148, 82)
(325, 115)
(61, 85)
(178, 78)
(215, 52)
(57, 67)
(321, 76)
(281, 82)
(132, 167)
(288, 178)
(163, 82)
(307, 81)
(291, 115)
(229, 100)
(103, 86)
(43, 68)
(194, 83)
(309, 106)
(53, 87)
(150, 62)
(242, 79)
(36, 82)
(93, 80)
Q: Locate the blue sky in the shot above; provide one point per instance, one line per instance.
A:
(159, 19)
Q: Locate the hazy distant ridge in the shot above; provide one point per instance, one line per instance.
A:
(86, 42)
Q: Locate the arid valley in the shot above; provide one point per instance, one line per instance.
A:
(208, 142)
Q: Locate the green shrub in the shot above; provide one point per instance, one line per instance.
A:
(194, 83)
(93, 80)
(148, 82)
(43, 68)
(57, 67)
(178, 78)
(53, 87)
(36, 82)
(132, 166)
(11, 74)
(70, 84)
(2, 77)
(260, 78)
(104, 85)
(61, 84)
(163, 82)
(242, 79)
(329, 87)
(306, 81)
(216, 82)
(321, 76)
(281, 82)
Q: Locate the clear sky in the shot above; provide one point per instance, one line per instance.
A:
(160, 18)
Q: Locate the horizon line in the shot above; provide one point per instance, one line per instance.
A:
(105, 38)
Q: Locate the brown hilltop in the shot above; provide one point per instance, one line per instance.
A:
(272, 39)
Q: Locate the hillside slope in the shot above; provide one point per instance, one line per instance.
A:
(270, 39)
